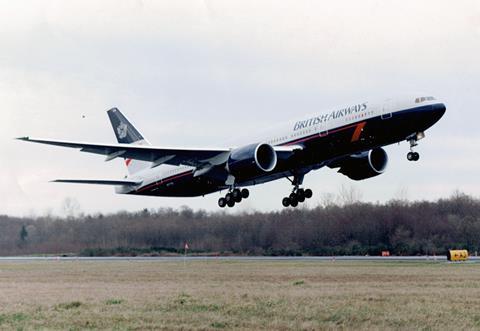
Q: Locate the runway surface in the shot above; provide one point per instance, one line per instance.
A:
(474, 259)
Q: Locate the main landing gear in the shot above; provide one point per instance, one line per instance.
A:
(413, 140)
(298, 194)
(232, 197)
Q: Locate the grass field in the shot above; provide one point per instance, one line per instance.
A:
(283, 295)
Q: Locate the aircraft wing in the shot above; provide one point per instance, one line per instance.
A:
(156, 155)
(197, 157)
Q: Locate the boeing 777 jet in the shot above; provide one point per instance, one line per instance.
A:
(349, 139)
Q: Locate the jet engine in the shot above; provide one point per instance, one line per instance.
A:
(251, 161)
(364, 165)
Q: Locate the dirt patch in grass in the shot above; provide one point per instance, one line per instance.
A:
(69, 305)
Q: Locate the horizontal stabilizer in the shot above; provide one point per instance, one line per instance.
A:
(99, 182)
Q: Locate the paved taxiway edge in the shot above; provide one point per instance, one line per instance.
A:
(232, 258)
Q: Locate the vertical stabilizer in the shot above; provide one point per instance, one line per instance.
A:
(126, 133)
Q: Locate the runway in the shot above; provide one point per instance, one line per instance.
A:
(474, 259)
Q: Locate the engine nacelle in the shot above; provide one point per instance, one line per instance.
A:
(365, 165)
(251, 161)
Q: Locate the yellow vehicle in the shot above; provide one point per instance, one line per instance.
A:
(457, 255)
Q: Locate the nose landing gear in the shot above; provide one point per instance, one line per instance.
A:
(413, 140)
(232, 197)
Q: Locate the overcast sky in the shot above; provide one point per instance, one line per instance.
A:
(199, 73)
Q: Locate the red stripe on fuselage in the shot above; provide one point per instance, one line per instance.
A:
(319, 135)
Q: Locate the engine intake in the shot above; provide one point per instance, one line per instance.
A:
(251, 161)
(365, 165)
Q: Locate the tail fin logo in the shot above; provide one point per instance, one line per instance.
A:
(122, 130)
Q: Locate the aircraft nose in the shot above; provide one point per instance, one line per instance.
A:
(439, 109)
(435, 113)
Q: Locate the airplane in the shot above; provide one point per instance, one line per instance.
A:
(348, 138)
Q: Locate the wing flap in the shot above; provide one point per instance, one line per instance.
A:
(285, 152)
(287, 148)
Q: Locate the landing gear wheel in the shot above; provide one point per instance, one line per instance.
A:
(231, 203)
(222, 202)
(293, 200)
(245, 193)
(286, 202)
(300, 195)
(413, 156)
(236, 194)
(229, 198)
(308, 193)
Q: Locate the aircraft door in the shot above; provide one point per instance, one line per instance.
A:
(387, 109)
(321, 128)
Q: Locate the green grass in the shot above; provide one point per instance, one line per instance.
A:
(17, 320)
(213, 295)
(114, 302)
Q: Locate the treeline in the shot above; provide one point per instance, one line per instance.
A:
(403, 228)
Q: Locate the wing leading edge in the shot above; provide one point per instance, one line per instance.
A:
(156, 155)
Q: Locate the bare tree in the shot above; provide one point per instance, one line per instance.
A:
(70, 208)
(349, 195)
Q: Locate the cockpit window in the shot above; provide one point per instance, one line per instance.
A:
(422, 99)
